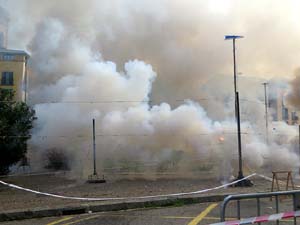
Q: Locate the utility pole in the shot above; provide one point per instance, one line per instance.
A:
(245, 182)
(240, 174)
(266, 112)
(299, 142)
(94, 178)
(94, 148)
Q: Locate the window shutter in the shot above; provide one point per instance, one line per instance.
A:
(11, 78)
(7, 78)
(3, 78)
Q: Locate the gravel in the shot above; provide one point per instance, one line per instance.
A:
(115, 186)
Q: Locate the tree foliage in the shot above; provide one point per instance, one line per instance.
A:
(16, 121)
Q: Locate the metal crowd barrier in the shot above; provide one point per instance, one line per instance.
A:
(258, 196)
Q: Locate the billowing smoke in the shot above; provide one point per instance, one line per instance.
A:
(133, 65)
(4, 18)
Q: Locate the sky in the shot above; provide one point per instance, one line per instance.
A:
(182, 40)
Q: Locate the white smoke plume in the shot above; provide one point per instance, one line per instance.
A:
(171, 51)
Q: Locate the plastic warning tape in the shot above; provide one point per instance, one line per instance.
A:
(122, 198)
(261, 219)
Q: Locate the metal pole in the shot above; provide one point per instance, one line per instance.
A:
(246, 182)
(299, 144)
(234, 66)
(266, 113)
(234, 79)
(237, 115)
(94, 147)
(240, 175)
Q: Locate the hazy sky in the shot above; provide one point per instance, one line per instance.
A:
(187, 34)
(183, 41)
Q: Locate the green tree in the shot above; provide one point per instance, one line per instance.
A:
(16, 120)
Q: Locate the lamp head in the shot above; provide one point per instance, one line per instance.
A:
(231, 37)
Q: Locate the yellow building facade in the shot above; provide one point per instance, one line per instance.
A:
(13, 72)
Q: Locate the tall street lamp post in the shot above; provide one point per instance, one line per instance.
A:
(266, 112)
(243, 182)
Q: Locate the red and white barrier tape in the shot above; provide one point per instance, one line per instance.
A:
(261, 219)
(122, 198)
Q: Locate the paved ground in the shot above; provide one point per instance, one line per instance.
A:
(202, 214)
(11, 199)
(17, 200)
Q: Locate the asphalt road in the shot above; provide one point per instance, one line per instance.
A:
(205, 213)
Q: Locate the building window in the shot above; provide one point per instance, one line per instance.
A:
(285, 114)
(294, 117)
(7, 57)
(7, 78)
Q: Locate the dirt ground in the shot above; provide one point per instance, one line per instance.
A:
(115, 186)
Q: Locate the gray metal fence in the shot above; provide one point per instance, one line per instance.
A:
(295, 196)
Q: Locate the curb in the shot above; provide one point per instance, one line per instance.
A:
(85, 208)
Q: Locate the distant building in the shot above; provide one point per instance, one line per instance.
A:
(13, 66)
(13, 72)
(281, 110)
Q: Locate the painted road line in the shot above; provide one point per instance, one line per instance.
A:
(218, 218)
(125, 216)
(83, 219)
(162, 217)
(229, 219)
(60, 220)
(177, 217)
(200, 217)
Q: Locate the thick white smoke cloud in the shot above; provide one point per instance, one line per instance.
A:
(182, 43)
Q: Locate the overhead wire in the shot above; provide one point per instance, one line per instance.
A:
(141, 135)
(137, 101)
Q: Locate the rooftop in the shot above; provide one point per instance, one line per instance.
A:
(13, 52)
